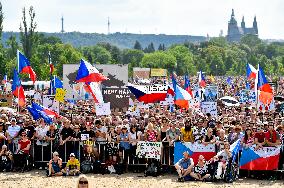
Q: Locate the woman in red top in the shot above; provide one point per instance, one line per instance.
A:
(23, 151)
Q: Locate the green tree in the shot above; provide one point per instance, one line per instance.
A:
(1, 21)
(159, 59)
(150, 48)
(137, 45)
(13, 46)
(28, 36)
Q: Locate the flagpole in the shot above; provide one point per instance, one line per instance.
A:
(18, 60)
(256, 88)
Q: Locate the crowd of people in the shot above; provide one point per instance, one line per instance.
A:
(80, 142)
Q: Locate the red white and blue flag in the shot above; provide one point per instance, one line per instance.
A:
(24, 66)
(194, 150)
(266, 158)
(47, 111)
(17, 89)
(187, 85)
(201, 80)
(51, 66)
(265, 94)
(88, 73)
(94, 89)
(251, 71)
(149, 93)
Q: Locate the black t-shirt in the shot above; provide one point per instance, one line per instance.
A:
(52, 134)
(77, 134)
(30, 130)
(66, 132)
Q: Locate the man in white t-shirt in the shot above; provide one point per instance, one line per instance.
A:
(100, 131)
(13, 129)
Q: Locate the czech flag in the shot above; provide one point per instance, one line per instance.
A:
(47, 111)
(94, 89)
(266, 158)
(194, 150)
(17, 89)
(187, 85)
(149, 93)
(201, 80)
(51, 66)
(265, 90)
(25, 66)
(181, 97)
(251, 71)
(88, 73)
(39, 114)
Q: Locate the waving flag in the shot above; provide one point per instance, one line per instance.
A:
(149, 93)
(194, 150)
(251, 71)
(88, 73)
(94, 89)
(47, 111)
(182, 97)
(266, 158)
(34, 113)
(265, 90)
(187, 85)
(24, 66)
(51, 66)
(55, 83)
(37, 114)
(17, 89)
(201, 80)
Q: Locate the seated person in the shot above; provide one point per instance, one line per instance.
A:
(224, 157)
(55, 165)
(200, 170)
(6, 157)
(73, 166)
(184, 167)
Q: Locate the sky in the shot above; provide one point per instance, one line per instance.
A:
(172, 17)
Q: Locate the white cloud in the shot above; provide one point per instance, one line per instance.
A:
(192, 17)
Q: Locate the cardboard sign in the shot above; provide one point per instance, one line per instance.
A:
(149, 149)
(103, 109)
(6, 100)
(209, 107)
(60, 94)
(49, 102)
(158, 72)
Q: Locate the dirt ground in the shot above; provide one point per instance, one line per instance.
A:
(37, 179)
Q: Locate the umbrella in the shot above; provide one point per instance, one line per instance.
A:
(279, 98)
(230, 101)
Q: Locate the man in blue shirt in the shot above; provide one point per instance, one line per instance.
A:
(184, 167)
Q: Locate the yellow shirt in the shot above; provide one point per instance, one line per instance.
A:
(73, 164)
(187, 135)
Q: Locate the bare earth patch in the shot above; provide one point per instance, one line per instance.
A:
(37, 179)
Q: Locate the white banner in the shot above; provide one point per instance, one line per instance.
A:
(103, 109)
(49, 102)
(149, 149)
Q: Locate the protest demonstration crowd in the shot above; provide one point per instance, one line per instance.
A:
(205, 128)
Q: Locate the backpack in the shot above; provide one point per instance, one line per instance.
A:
(86, 167)
(153, 169)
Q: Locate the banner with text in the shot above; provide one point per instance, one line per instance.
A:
(149, 149)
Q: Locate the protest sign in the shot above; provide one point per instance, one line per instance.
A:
(85, 137)
(103, 109)
(60, 94)
(209, 107)
(158, 72)
(6, 100)
(149, 149)
(49, 102)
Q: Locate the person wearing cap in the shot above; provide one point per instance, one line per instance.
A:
(55, 165)
(184, 167)
(73, 166)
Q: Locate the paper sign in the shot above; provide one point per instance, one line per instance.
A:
(209, 107)
(85, 137)
(49, 102)
(149, 149)
(103, 109)
(60, 94)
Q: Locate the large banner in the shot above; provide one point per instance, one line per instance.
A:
(194, 150)
(158, 72)
(266, 158)
(141, 73)
(117, 83)
(209, 107)
(149, 149)
(49, 102)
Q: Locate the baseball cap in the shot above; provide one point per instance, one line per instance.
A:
(72, 155)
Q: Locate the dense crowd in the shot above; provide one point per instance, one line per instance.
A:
(111, 140)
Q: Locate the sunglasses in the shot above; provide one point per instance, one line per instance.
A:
(24, 135)
(83, 182)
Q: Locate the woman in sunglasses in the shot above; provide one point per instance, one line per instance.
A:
(83, 182)
(23, 150)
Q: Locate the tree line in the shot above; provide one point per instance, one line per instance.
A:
(215, 57)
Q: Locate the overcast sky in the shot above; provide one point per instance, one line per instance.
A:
(190, 17)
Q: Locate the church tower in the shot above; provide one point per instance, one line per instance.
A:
(255, 25)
